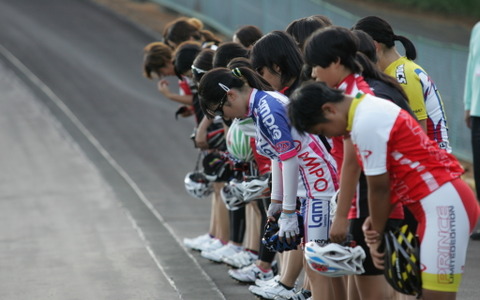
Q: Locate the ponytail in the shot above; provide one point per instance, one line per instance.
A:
(410, 51)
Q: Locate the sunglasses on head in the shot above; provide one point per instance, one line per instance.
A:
(218, 112)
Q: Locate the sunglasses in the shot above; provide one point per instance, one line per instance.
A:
(218, 112)
(197, 70)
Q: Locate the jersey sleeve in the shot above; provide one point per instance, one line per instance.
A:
(276, 128)
(414, 90)
(371, 141)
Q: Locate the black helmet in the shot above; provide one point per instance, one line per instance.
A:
(217, 167)
(272, 242)
(402, 261)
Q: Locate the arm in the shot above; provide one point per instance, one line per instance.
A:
(276, 194)
(379, 208)
(201, 133)
(163, 88)
(348, 183)
(290, 184)
(423, 124)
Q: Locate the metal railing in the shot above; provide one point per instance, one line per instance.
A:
(445, 63)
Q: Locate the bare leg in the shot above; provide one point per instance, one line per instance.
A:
(292, 268)
(364, 286)
(353, 293)
(222, 220)
(436, 295)
(253, 220)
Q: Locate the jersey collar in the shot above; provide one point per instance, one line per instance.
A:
(353, 107)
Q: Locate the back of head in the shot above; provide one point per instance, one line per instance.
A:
(202, 63)
(239, 62)
(248, 35)
(181, 30)
(366, 44)
(378, 29)
(331, 44)
(184, 57)
(278, 49)
(228, 51)
(155, 56)
(381, 31)
(213, 85)
(301, 29)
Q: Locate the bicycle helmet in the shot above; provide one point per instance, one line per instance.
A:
(232, 195)
(333, 205)
(238, 144)
(216, 138)
(335, 260)
(271, 240)
(402, 261)
(247, 127)
(256, 188)
(197, 185)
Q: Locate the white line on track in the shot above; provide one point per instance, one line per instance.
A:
(61, 105)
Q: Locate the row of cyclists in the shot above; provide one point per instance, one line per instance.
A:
(323, 150)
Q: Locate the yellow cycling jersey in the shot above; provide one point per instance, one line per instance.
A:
(423, 97)
(404, 70)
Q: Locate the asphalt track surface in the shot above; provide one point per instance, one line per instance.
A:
(92, 200)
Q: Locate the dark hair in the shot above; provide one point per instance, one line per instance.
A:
(301, 29)
(330, 44)
(226, 52)
(382, 32)
(155, 56)
(305, 107)
(278, 48)
(326, 20)
(366, 44)
(238, 62)
(184, 57)
(184, 29)
(202, 63)
(367, 57)
(211, 93)
(248, 35)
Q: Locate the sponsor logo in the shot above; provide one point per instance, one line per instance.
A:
(268, 119)
(446, 248)
(282, 146)
(314, 167)
(400, 73)
(366, 153)
(319, 214)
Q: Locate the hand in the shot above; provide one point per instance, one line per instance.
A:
(273, 208)
(288, 224)
(162, 86)
(201, 140)
(377, 257)
(371, 236)
(468, 119)
(339, 230)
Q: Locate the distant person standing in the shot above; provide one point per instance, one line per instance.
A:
(472, 106)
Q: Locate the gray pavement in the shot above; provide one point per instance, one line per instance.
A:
(91, 205)
(64, 235)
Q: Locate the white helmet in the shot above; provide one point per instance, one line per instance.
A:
(232, 195)
(334, 260)
(256, 188)
(197, 185)
(238, 144)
